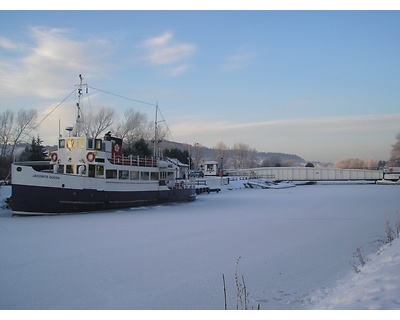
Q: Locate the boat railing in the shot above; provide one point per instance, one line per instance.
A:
(139, 161)
(182, 184)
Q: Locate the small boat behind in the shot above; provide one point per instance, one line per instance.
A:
(388, 182)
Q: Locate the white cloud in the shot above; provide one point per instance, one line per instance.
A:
(164, 51)
(239, 60)
(11, 45)
(45, 67)
(179, 69)
(159, 41)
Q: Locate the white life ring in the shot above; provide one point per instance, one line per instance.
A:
(54, 157)
(90, 156)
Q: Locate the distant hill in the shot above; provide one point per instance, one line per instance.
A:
(208, 153)
(282, 156)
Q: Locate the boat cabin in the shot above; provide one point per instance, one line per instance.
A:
(103, 158)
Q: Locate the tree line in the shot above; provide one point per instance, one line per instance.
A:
(137, 133)
(394, 160)
(15, 127)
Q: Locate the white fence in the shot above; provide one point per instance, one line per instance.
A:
(308, 174)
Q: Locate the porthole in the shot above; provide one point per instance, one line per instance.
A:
(19, 169)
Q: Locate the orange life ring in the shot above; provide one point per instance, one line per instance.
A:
(90, 156)
(54, 157)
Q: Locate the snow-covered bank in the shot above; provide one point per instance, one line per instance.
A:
(296, 247)
(375, 287)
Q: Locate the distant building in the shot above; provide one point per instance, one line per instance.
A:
(182, 170)
(211, 168)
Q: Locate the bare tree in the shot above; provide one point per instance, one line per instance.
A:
(240, 153)
(272, 161)
(221, 151)
(25, 123)
(6, 125)
(371, 164)
(98, 123)
(394, 160)
(198, 154)
(287, 163)
(133, 127)
(251, 158)
(148, 132)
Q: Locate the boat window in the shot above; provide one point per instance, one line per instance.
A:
(100, 171)
(145, 175)
(124, 174)
(111, 174)
(92, 169)
(90, 144)
(154, 176)
(60, 168)
(70, 143)
(163, 175)
(61, 143)
(135, 175)
(69, 168)
(81, 143)
(97, 144)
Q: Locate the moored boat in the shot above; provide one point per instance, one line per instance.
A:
(90, 174)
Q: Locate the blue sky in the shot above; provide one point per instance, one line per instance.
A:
(320, 84)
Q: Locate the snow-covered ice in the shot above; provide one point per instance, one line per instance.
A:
(295, 246)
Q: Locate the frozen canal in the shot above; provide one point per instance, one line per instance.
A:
(294, 244)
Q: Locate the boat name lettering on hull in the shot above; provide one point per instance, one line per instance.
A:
(45, 176)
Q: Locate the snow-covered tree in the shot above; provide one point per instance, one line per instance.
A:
(394, 160)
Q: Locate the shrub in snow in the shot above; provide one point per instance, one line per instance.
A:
(242, 296)
(360, 260)
(391, 233)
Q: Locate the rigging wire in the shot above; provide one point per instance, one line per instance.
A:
(135, 100)
(117, 95)
(50, 113)
(165, 124)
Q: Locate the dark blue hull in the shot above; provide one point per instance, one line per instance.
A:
(34, 200)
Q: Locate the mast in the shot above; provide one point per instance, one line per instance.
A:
(156, 140)
(79, 117)
(155, 132)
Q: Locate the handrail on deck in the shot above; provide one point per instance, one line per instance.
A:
(139, 161)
